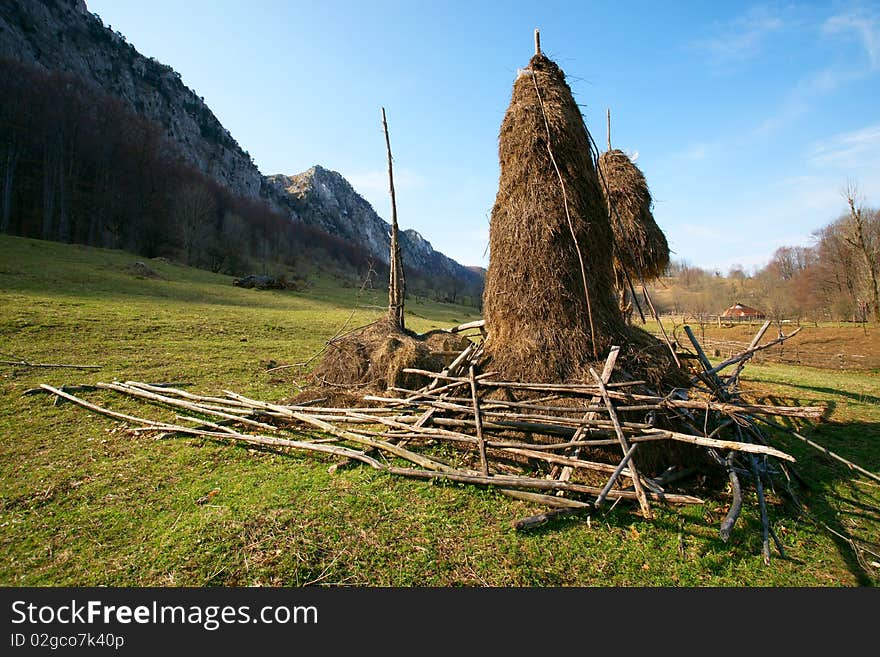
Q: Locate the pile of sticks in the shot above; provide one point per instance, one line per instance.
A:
(507, 441)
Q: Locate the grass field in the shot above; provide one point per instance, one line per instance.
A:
(82, 502)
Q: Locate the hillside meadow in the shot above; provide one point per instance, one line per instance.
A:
(83, 502)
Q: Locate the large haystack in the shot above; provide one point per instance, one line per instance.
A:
(542, 325)
(641, 251)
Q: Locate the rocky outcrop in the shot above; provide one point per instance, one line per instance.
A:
(324, 198)
(62, 35)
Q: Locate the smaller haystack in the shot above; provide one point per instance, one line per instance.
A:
(374, 357)
(641, 250)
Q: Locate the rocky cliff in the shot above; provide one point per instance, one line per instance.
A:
(62, 35)
(325, 199)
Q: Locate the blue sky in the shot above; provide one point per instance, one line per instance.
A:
(747, 118)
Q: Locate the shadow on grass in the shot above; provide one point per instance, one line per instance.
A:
(835, 392)
(838, 502)
(849, 519)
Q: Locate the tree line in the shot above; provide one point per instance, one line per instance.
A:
(837, 278)
(79, 165)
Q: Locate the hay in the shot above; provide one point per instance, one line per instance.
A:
(534, 301)
(641, 247)
(373, 358)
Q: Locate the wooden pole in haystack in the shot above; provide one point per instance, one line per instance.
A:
(397, 280)
(608, 125)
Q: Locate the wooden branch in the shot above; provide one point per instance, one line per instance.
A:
(753, 349)
(525, 427)
(385, 446)
(614, 475)
(549, 387)
(24, 363)
(169, 390)
(711, 377)
(223, 434)
(607, 370)
(145, 394)
(562, 507)
(574, 463)
(736, 503)
(397, 282)
(498, 447)
(484, 465)
(532, 483)
(637, 484)
(762, 503)
(542, 518)
(499, 404)
(476, 324)
(611, 389)
(704, 441)
(104, 411)
(87, 388)
(42, 390)
(413, 426)
(453, 368)
(813, 412)
(552, 447)
(547, 500)
(608, 124)
(660, 324)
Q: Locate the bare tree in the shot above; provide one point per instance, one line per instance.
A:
(865, 239)
(193, 209)
(8, 176)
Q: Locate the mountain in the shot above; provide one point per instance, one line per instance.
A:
(325, 199)
(62, 35)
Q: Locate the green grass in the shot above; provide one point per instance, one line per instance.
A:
(82, 502)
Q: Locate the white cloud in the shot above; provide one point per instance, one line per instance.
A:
(708, 232)
(813, 195)
(856, 150)
(864, 27)
(741, 39)
(802, 96)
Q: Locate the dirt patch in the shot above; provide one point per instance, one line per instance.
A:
(851, 346)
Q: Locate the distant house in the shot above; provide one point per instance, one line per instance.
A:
(741, 312)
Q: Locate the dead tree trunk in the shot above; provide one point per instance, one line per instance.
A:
(48, 192)
(8, 175)
(397, 280)
(861, 243)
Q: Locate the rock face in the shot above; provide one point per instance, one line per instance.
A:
(325, 199)
(61, 35)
